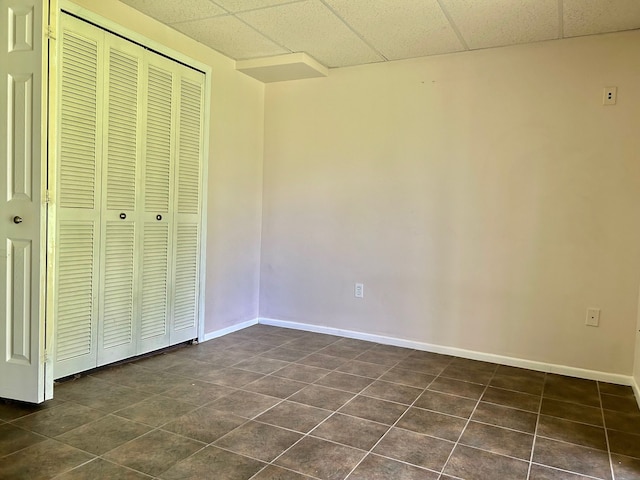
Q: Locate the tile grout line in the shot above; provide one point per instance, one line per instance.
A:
(468, 420)
(606, 432)
(282, 401)
(330, 416)
(535, 432)
(400, 417)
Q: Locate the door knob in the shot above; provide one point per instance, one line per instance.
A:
(17, 219)
(158, 217)
(123, 216)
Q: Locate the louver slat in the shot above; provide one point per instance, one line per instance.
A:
(189, 147)
(117, 313)
(122, 146)
(154, 280)
(158, 141)
(78, 122)
(75, 290)
(186, 277)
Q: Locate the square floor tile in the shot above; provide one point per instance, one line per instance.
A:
(374, 409)
(205, 424)
(414, 448)
(301, 373)
(573, 390)
(572, 432)
(156, 411)
(473, 464)
(351, 431)
(573, 458)
(258, 440)
(103, 435)
(244, 404)
(275, 386)
(625, 468)
(294, 416)
(321, 459)
(321, 361)
(213, 463)
(392, 392)
(13, 439)
(278, 473)
(445, 403)
(625, 422)
(498, 440)
(261, 365)
(57, 420)
(508, 398)
(432, 423)
(41, 461)
(375, 467)
(322, 397)
(619, 404)
(505, 417)
(154, 452)
(363, 369)
(99, 394)
(10, 410)
(197, 392)
(539, 472)
(345, 381)
(408, 377)
(624, 443)
(572, 411)
(231, 377)
(457, 387)
(101, 469)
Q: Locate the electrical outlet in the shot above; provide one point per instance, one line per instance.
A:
(593, 317)
(609, 96)
(358, 290)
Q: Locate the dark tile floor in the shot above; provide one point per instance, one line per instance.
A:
(268, 403)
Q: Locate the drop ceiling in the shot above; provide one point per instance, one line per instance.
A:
(339, 33)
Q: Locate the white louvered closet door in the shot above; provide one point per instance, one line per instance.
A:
(78, 198)
(157, 161)
(119, 265)
(188, 203)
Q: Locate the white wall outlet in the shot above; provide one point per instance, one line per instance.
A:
(358, 290)
(593, 317)
(609, 96)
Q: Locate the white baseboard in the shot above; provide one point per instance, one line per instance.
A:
(636, 389)
(227, 330)
(459, 352)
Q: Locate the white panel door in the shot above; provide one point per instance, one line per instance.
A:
(187, 218)
(23, 372)
(157, 163)
(117, 334)
(78, 197)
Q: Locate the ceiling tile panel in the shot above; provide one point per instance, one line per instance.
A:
(496, 23)
(411, 28)
(172, 11)
(230, 36)
(311, 27)
(587, 17)
(241, 5)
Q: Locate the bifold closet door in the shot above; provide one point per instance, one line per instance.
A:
(157, 200)
(119, 265)
(187, 217)
(128, 200)
(78, 198)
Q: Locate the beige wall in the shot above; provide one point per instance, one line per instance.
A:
(485, 199)
(235, 170)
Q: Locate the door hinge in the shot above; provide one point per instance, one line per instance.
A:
(49, 32)
(47, 197)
